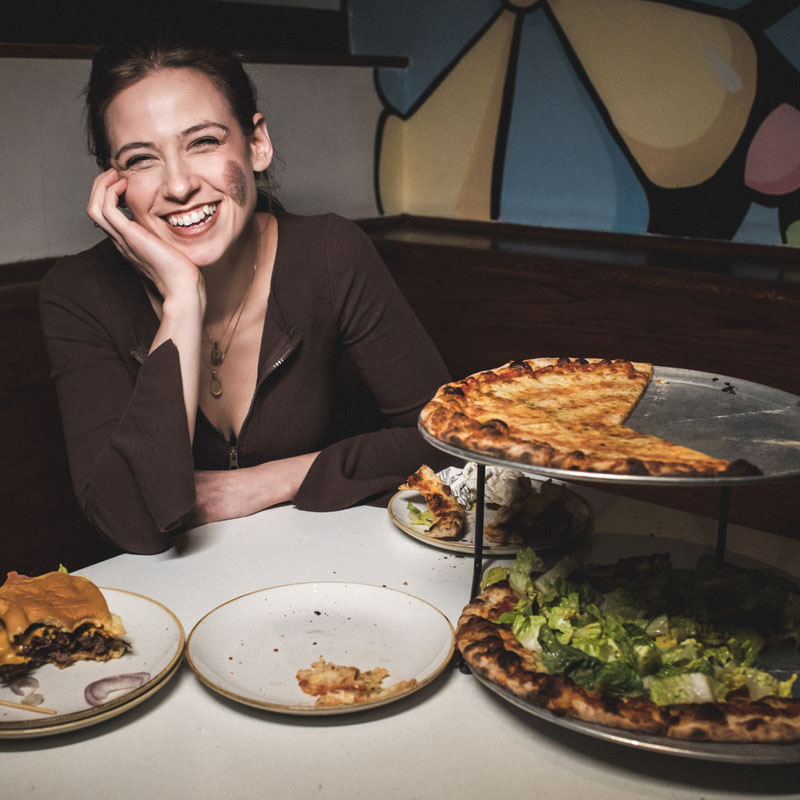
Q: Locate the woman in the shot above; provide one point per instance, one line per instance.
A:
(198, 349)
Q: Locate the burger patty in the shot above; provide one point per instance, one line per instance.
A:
(44, 644)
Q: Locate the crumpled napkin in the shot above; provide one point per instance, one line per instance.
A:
(502, 487)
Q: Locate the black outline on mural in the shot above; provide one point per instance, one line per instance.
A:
(390, 110)
(504, 120)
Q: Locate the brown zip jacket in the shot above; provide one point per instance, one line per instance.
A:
(344, 367)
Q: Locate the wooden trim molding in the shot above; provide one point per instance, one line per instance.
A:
(768, 262)
(262, 33)
(86, 51)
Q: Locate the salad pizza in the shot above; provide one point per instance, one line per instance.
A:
(640, 645)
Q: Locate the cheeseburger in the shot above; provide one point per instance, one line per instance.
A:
(55, 618)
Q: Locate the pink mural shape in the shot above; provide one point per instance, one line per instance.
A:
(773, 158)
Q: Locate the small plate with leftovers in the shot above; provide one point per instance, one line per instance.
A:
(520, 510)
(320, 648)
(116, 648)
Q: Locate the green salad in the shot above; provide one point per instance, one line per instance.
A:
(645, 628)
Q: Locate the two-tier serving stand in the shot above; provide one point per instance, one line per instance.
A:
(726, 417)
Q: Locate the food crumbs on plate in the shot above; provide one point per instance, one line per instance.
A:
(335, 685)
(405, 583)
(318, 613)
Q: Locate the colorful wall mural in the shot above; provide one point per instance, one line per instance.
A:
(663, 116)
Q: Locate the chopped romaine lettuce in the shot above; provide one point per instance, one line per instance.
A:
(419, 517)
(526, 628)
(519, 576)
(687, 687)
(546, 586)
(639, 639)
(757, 682)
(494, 575)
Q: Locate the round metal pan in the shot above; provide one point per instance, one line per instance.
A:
(729, 752)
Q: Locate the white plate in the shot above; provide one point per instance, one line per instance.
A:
(401, 517)
(250, 648)
(156, 637)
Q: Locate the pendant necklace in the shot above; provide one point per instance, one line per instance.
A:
(218, 354)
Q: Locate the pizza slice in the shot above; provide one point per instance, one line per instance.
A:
(336, 685)
(448, 514)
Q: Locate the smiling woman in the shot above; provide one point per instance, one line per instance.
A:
(198, 350)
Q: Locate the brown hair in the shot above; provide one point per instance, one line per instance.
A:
(120, 63)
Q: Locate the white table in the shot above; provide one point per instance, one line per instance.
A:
(452, 739)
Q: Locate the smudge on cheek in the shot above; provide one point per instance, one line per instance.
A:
(236, 183)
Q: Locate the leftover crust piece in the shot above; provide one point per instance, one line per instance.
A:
(336, 685)
(448, 514)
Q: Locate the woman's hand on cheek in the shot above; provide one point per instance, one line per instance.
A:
(170, 270)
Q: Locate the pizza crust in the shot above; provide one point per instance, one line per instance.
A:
(449, 516)
(337, 685)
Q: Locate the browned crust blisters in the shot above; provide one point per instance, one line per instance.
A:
(494, 653)
(450, 417)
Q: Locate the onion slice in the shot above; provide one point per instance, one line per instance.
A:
(33, 699)
(19, 685)
(97, 692)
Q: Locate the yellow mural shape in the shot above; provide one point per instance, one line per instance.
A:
(677, 84)
(439, 161)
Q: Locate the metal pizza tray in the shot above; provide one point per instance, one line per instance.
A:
(726, 752)
(724, 417)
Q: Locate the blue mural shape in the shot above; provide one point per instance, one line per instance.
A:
(563, 167)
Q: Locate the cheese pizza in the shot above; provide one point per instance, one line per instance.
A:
(563, 413)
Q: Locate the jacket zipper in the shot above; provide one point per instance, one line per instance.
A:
(233, 449)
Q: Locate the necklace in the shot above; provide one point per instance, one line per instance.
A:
(218, 354)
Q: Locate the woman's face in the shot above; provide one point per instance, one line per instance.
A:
(188, 164)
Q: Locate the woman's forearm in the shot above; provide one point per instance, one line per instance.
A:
(227, 494)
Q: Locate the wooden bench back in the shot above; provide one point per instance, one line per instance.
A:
(42, 526)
